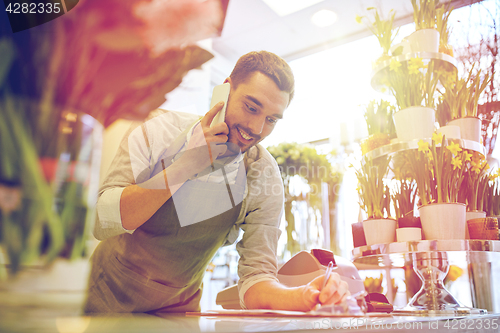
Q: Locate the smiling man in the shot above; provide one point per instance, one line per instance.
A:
(179, 189)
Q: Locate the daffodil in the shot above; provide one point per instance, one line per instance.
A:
(437, 137)
(423, 146)
(476, 167)
(413, 70)
(467, 156)
(454, 148)
(359, 19)
(416, 62)
(456, 162)
(394, 65)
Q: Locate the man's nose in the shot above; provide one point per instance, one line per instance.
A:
(256, 125)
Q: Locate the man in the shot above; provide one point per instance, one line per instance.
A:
(158, 215)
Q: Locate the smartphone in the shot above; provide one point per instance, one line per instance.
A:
(220, 93)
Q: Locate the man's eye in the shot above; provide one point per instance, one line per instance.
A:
(272, 120)
(251, 108)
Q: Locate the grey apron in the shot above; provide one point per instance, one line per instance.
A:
(160, 267)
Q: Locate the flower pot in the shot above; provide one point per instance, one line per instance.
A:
(483, 228)
(379, 231)
(424, 40)
(450, 131)
(474, 214)
(358, 234)
(409, 222)
(443, 220)
(415, 122)
(408, 234)
(470, 128)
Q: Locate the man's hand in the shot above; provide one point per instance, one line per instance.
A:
(335, 291)
(206, 143)
(273, 295)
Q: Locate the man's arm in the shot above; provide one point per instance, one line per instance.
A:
(275, 296)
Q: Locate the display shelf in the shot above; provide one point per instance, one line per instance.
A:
(443, 61)
(398, 146)
(430, 260)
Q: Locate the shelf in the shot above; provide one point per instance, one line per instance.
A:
(398, 146)
(444, 61)
(368, 254)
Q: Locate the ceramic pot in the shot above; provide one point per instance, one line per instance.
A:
(470, 128)
(443, 220)
(415, 122)
(450, 131)
(379, 231)
(358, 234)
(424, 40)
(474, 214)
(408, 234)
(483, 228)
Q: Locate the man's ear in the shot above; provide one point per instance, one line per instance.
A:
(228, 80)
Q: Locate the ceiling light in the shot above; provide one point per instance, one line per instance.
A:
(286, 7)
(324, 18)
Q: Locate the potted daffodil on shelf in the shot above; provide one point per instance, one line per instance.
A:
(475, 185)
(413, 83)
(374, 199)
(459, 104)
(426, 36)
(438, 169)
(380, 125)
(382, 29)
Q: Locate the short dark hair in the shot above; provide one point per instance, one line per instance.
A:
(268, 64)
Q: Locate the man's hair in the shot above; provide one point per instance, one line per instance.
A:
(268, 64)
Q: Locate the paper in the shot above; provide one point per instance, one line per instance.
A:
(282, 313)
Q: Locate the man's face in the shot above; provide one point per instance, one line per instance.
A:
(253, 109)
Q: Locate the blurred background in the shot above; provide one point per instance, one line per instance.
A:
(70, 88)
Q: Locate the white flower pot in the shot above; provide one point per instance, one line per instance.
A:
(379, 231)
(424, 40)
(415, 122)
(408, 234)
(443, 220)
(450, 131)
(470, 128)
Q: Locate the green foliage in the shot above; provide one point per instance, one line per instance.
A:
(382, 29)
(373, 193)
(424, 13)
(379, 119)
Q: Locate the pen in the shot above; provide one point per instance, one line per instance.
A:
(328, 272)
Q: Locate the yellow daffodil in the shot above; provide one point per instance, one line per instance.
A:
(467, 156)
(394, 65)
(413, 70)
(454, 148)
(437, 137)
(423, 146)
(456, 162)
(358, 19)
(476, 167)
(454, 272)
(416, 62)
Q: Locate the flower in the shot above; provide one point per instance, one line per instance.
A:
(416, 62)
(467, 156)
(423, 146)
(454, 148)
(456, 162)
(394, 65)
(437, 137)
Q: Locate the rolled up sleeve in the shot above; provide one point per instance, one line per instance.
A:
(258, 246)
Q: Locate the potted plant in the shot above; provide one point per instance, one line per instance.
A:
(403, 197)
(492, 202)
(426, 36)
(438, 171)
(380, 125)
(442, 15)
(413, 84)
(461, 99)
(475, 185)
(382, 29)
(374, 199)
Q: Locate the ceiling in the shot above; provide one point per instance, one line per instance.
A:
(252, 25)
